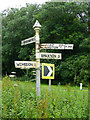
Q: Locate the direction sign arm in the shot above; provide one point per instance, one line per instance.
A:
(28, 41)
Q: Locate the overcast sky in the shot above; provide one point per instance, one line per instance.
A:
(4, 4)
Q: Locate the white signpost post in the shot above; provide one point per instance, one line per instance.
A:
(37, 29)
(36, 64)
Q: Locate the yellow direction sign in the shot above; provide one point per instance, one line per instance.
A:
(48, 71)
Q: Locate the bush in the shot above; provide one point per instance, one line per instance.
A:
(74, 70)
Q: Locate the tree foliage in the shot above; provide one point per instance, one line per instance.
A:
(74, 70)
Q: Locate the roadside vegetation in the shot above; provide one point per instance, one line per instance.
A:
(19, 101)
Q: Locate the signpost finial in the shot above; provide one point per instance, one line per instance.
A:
(37, 24)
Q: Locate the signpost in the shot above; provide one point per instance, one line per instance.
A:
(56, 46)
(25, 64)
(48, 70)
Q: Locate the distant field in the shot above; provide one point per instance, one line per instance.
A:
(19, 101)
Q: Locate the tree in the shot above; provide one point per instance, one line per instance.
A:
(74, 70)
(16, 26)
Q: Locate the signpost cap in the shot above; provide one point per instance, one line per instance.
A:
(37, 24)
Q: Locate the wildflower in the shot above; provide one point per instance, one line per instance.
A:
(15, 85)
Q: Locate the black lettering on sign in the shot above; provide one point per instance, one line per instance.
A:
(30, 64)
(24, 64)
(55, 47)
(17, 64)
(69, 46)
(20, 64)
(54, 56)
(43, 55)
(48, 55)
(58, 56)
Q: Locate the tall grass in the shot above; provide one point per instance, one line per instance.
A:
(19, 101)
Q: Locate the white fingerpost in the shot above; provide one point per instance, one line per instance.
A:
(80, 86)
(37, 28)
(49, 84)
